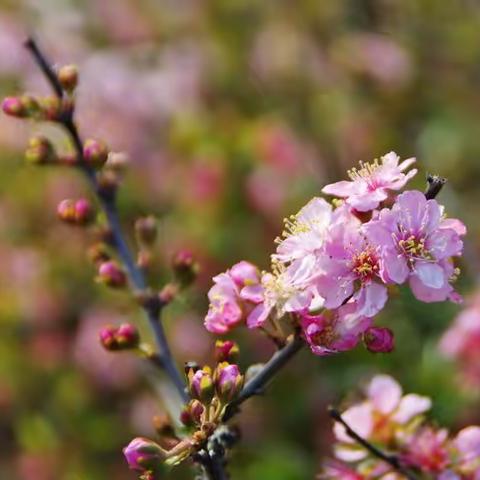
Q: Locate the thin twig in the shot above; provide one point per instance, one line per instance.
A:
(256, 385)
(434, 185)
(107, 201)
(390, 459)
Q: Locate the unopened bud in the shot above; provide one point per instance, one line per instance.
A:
(192, 413)
(127, 336)
(107, 338)
(146, 230)
(144, 259)
(143, 455)
(184, 267)
(21, 107)
(14, 107)
(40, 151)
(226, 351)
(68, 77)
(95, 153)
(379, 340)
(200, 384)
(51, 108)
(78, 212)
(124, 337)
(228, 381)
(111, 274)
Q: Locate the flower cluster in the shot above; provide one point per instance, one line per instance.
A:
(395, 424)
(210, 391)
(334, 262)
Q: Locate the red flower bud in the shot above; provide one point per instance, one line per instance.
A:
(111, 274)
(226, 351)
(107, 338)
(14, 107)
(143, 455)
(127, 336)
(379, 339)
(79, 212)
(95, 153)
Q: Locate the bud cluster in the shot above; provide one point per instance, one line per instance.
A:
(75, 212)
(212, 390)
(124, 337)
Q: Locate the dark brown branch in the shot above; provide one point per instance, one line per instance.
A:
(107, 201)
(256, 385)
(392, 460)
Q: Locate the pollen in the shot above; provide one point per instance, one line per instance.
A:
(366, 170)
(414, 247)
(365, 264)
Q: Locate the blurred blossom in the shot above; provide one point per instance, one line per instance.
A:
(375, 55)
(461, 342)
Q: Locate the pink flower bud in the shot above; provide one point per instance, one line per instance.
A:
(200, 384)
(127, 336)
(68, 77)
(228, 381)
(111, 274)
(95, 153)
(168, 293)
(83, 211)
(66, 210)
(14, 107)
(143, 455)
(379, 339)
(226, 351)
(192, 413)
(107, 338)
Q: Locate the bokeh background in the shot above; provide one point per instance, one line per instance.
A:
(234, 113)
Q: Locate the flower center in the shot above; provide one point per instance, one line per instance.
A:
(365, 265)
(365, 171)
(413, 247)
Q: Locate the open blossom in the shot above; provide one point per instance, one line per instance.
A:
(335, 331)
(285, 290)
(394, 424)
(349, 260)
(227, 306)
(371, 183)
(417, 244)
(381, 417)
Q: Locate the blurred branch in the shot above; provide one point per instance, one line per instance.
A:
(256, 385)
(107, 199)
(392, 460)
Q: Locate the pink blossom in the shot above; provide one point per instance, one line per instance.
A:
(304, 232)
(417, 244)
(333, 470)
(285, 290)
(335, 331)
(348, 259)
(379, 418)
(427, 450)
(232, 297)
(467, 445)
(369, 185)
